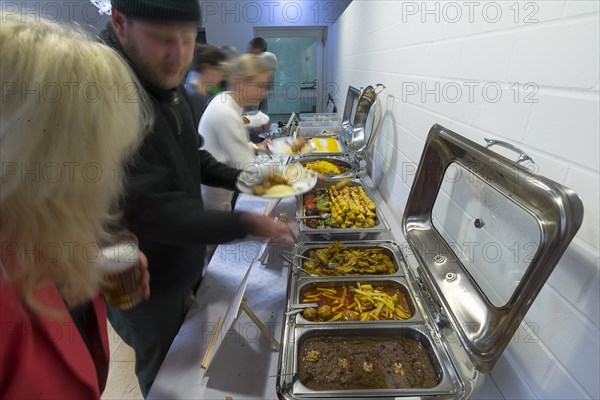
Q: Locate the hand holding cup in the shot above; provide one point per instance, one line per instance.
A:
(126, 278)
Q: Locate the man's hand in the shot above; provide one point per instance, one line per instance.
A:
(263, 147)
(259, 225)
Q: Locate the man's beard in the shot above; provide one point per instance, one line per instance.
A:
(151, 72)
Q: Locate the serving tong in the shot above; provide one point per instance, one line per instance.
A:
(289, 260)
(298, 308)
(321, 216)
(331, 265)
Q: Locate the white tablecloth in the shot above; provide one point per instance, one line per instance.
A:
(246, 364)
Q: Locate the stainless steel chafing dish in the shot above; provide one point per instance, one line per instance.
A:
(468, 212)
(399, 283)
(343, 160)
(387, 247)
(343, 233)
(359, 125)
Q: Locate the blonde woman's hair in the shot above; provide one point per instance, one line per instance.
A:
(71, 116)
(247, 66)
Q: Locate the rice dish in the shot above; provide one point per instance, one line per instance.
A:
(280, 191)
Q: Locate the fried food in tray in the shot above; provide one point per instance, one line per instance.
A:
(359, 302)
(349, 206)
(350, 261)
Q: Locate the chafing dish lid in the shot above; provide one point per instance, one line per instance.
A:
(350, 106)
(487, 233)
(367, 119)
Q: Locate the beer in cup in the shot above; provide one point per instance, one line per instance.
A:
(119, 260)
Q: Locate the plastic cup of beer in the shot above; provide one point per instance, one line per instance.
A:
(119, 260)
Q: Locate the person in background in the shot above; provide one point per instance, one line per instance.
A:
(54, 333)
(229, 51)
(164, 206)
(222, 124)
(204, 80)
(258, 47)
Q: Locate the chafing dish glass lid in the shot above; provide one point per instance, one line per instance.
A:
(487, 234)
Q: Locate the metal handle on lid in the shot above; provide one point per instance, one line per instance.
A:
(522, 155)
(381, 85)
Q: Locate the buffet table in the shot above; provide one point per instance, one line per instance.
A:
(245, 366)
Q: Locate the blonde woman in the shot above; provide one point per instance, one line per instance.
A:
(222, 125)
(70, 117)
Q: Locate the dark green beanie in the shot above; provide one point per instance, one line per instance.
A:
(160, 10)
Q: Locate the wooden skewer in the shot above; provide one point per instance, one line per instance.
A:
(266, 211)
(212, 342)
(260, 325)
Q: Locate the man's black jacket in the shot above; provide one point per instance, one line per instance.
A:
(163, 204)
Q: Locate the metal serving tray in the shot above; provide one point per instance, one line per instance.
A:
(346, 160)
(316, 131)
(290, 387)
(390, 248)
(341, 141)
(343, 233)
(396, 282)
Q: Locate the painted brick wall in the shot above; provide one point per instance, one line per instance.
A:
(525, 72)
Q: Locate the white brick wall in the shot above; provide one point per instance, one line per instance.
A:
(553, 47)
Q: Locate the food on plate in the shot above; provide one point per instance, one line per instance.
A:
(292, 180)
(246, 120)
(349, 206)
(349, 261)
(280, 191)
(328, 362)
(326, 145)
(359, 302)
(297, 145)
(275, 181)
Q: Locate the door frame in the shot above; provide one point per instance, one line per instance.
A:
(320, 32)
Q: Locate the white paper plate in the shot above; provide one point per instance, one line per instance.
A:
(302, 180)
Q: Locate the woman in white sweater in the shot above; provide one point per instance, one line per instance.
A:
(222, 124)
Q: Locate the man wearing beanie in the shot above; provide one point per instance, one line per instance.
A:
(163, 204)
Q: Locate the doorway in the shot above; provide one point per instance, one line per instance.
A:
(298, 79)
